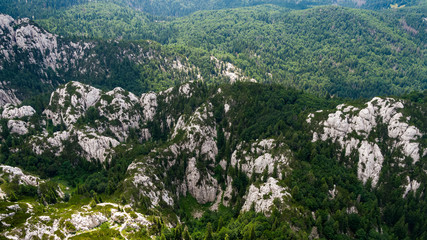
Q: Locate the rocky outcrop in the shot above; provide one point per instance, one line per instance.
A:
(93, 146)
(16, 173)
(262, 197)
(411, 186)
(148, 184)
(202, 188)
(261, 155)
(84, 221)
(200, 134)
(370, 162)
(149, 103)
(230, 71)
(17, 126)
(197, 142)
(22, 36)
(69, 102)
(3, 195)
(118, 112)
(12, 112)
(8, 97)
(124, 112)
(74, 222)
(351, 128)
(51, 60)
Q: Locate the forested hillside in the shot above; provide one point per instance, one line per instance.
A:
(34, 61)
(334, 50)
(349, 53)
(177, 8)
(345, 52)
(240, 161)
(213, 119)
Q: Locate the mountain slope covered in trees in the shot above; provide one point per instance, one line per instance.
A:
(135, 119)
(34, 61)
(245, 160)
(340, 51)
(177, 8)
(346, 52)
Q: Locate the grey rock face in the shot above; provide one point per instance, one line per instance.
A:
(347, 120)
(17, 126)
(11, 112)
(262, 198)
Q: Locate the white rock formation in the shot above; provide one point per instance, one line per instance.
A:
(11, 112)
(370, 162)
(3, 195)
(17, 126)
(40, 229)
(15, 172)
(87, 221)
(148, 184)
(199, 132)
(69, 103)
(348, 119)
(14, 207)
(227, 69)
(149, 103)
(57, 225)
(412, 186)
(27, 37)
(185, 90)
(8, 97)
(121, 109)
(203, 189)
(93, 146)
(262, 198)
(261, 155)
(200, 138)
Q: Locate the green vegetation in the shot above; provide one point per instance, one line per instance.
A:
(341, 51)
(258, 111)
(176, 8)
(349, 53)
(345, 52)
(304, 60)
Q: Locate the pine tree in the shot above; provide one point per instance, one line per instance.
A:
(208, 234)
(220, 223)
(186, 234)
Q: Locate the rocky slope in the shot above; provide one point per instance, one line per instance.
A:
(34, 61)
(357, 130)
(72, 222)
(190, 146)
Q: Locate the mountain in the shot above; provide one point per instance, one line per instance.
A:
(34, 61)
(242, 160)
(340, 51)
(345, 52)
(376, 53)
(39, 9)
(134, 119)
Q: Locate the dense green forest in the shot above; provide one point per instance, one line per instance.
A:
(300, 66)
(39, 9)
(340, 51)
(345, 52)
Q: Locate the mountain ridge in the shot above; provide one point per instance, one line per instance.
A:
(202, 152)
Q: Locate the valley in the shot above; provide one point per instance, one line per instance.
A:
(213, 119)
